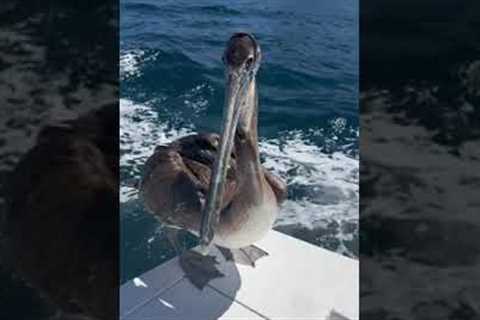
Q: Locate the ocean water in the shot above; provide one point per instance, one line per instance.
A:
(172, 84)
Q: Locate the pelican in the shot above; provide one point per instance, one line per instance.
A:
(215, 186)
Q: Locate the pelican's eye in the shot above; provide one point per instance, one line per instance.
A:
(249, 62)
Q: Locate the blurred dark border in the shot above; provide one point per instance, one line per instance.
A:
(59, 151)
(420, 159)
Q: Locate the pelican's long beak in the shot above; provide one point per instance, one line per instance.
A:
(235, 97)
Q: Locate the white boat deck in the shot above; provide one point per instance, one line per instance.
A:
(296, 281)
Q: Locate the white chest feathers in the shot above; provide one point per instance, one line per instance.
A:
(258, 221)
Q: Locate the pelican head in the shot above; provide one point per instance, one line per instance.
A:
(242, 58)
(242, 54)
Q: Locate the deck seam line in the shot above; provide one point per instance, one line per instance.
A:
(159, 292)
(239, 302)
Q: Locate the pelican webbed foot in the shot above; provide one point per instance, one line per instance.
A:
(199, 269)
(246, 255)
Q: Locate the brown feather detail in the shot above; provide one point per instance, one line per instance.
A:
(177, 177)
(198, 153)
(168, 189)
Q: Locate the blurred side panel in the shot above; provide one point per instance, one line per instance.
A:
(59, 151)
(420, 159)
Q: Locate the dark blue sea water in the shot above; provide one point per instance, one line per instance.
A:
(172, 83)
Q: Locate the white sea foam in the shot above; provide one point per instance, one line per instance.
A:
(325, 185)
(140, 132)
(131, 62)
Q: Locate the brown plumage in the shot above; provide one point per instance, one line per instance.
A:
(177, 176)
